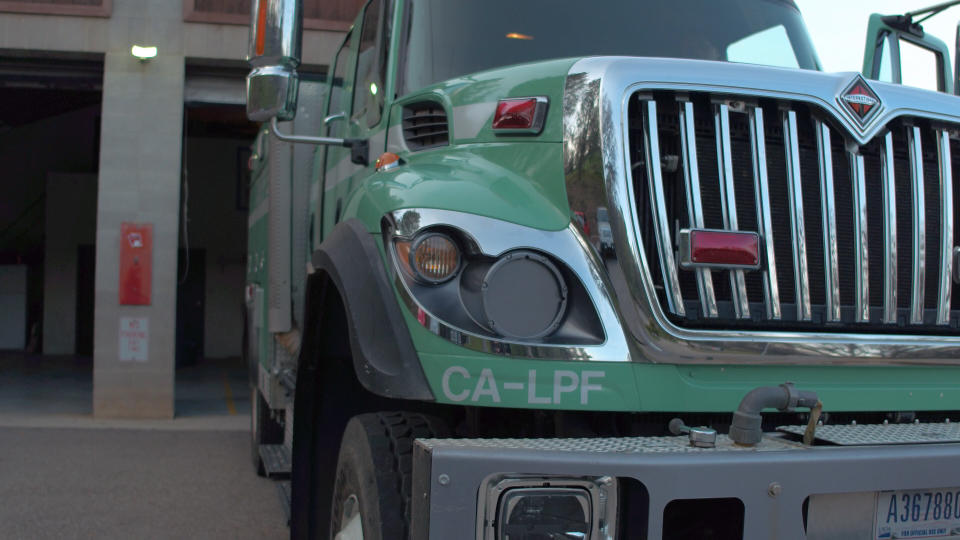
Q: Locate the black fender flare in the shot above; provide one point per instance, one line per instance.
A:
(384, 358)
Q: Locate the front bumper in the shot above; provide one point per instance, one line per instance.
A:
(772, 480)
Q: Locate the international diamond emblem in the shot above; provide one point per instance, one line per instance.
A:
(859, 99)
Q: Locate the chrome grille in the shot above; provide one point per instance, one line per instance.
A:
(855, 237)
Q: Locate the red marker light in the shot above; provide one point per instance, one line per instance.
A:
(719, 249)
(520, 115)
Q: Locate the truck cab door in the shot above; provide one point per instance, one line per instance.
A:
(336, 160)
(899, 51)
(358, 110)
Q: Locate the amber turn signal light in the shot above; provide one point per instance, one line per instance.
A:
(434, 258)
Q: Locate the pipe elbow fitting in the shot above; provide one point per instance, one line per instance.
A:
(745, 429)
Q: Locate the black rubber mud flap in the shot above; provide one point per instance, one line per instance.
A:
(383, 355)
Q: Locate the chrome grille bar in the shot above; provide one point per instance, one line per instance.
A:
(861, 312)
(827, 206)
(946, 227)
(919, 225)
(802, 283)
(691, 174)
(889, 190)
(668, 266)
(771, 292)
(738, 284)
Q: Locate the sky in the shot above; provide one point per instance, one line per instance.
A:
(839, 27)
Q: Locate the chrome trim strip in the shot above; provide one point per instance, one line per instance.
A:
(597, 164)
(946, 227)
(738, 286)
(861, 295)
(691, 175)
(801, 279)
(889, 190)
(494, 237)
(668, 266)
(919, 225)
(761, 187)
(828, 210)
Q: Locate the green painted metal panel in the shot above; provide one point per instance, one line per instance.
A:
(518, 183)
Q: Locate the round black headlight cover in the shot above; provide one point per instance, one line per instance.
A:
(524, 296)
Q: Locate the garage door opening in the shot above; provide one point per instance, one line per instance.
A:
(49, 146)
(213, 246)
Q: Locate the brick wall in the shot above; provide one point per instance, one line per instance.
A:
(318, 14)
(93, 8)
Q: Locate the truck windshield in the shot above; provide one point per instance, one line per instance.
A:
(449, 38)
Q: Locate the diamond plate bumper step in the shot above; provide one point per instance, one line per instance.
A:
(873, 434)
(283, 489)
(276, 460)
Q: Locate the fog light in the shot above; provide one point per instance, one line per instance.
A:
(528, 507)
(434, 258)
(535, 513)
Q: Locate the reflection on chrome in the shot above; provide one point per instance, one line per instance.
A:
(597, 168)
(889, 189)
(918, 277)
(946, 227)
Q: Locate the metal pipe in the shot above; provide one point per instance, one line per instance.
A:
(746, 426)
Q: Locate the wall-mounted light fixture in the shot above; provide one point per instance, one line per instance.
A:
(143, 53)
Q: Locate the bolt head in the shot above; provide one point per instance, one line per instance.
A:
(774, 489)
(443, 479)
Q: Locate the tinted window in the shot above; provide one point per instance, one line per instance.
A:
(448, 38)
(337, 102)
(371, 64)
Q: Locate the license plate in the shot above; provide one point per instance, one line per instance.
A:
(925, 513)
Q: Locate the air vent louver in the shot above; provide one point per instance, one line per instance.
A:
(425, 126)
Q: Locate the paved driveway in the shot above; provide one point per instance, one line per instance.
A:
(64, 474)
(133, 483)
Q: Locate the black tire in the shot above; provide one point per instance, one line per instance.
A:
(374, 471)
(263, 429)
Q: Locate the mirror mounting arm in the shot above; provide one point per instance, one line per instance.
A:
(359, 148)
(904, 23)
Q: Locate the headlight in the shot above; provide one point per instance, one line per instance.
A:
(524, 296)
(434, 258)
(520, 296)
(555, 508)
(536, 513)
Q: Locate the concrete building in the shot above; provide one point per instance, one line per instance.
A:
(95, 142)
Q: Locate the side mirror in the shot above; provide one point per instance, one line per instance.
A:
(274, 54)
(897, 50)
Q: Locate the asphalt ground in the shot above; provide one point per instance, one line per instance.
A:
(65, 474)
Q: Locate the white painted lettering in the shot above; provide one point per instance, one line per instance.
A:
(486, 386)
(532, 389)
(586, 387)
(445, 383)
(559, 387)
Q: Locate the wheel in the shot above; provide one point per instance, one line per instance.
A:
(371, 494)
(263, 429)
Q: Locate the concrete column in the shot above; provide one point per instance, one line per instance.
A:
(139, 181)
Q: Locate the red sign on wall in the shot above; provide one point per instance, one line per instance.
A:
(136, 263)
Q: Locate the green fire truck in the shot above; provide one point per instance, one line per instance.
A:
(565, 270)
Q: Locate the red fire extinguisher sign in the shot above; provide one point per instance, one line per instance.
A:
(136, 263)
